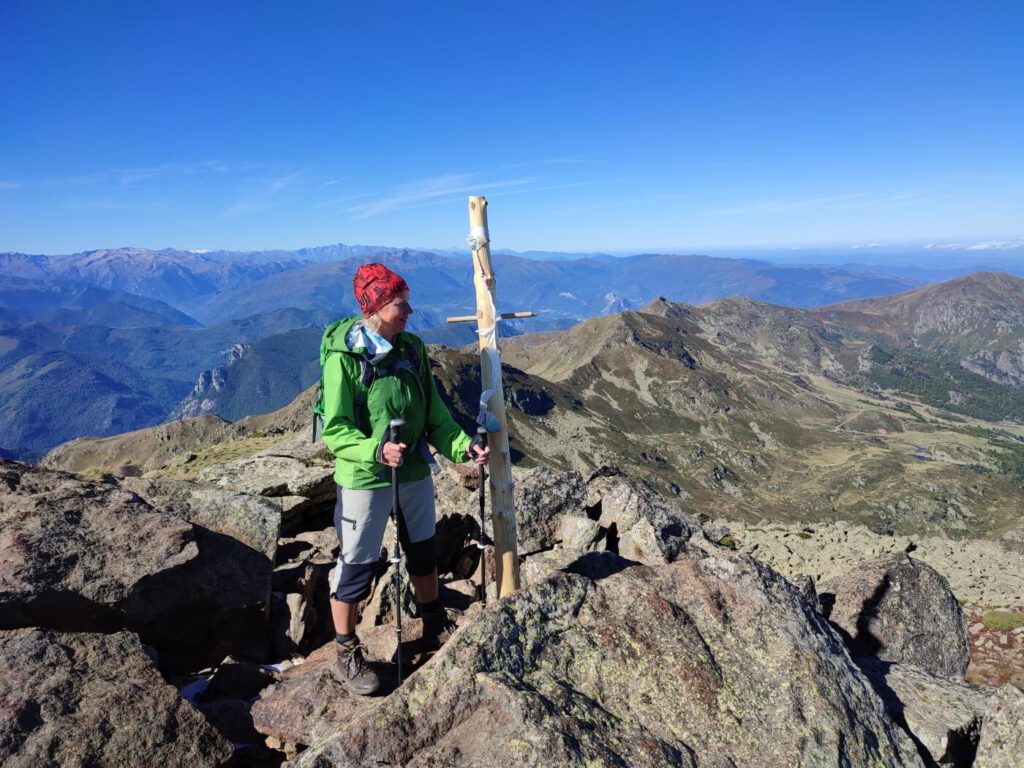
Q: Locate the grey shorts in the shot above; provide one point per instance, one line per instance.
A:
(360, 517)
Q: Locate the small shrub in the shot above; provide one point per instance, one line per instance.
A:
(1003, 621)
(727, 541)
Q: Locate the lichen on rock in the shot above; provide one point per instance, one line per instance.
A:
(709, 660)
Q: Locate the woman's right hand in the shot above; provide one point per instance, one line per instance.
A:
(392, 454)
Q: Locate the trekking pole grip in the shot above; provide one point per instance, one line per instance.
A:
(480, 439)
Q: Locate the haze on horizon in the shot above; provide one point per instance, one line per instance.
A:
(590, 126)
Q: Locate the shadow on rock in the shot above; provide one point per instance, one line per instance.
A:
(599, 565)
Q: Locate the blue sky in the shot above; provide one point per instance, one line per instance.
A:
(589, 125)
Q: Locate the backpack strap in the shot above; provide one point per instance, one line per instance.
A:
(414, 357)
(318, 412)
(411, 361)
(367, 371)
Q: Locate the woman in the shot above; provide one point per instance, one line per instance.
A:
(375, 372)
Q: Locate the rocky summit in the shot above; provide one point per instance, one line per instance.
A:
(712, 660)
(641, 636)
(78, 699)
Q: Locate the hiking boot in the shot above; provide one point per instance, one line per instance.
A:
(438, 626)
(355, 674)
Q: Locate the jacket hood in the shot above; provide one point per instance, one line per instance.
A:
(334, 337)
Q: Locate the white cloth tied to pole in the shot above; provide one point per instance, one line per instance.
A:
(486, 417)
(489, 334)
(477, 238)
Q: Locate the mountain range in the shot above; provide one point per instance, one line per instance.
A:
(758, 412)
(151, 335)
(751, 409)
(728, 488)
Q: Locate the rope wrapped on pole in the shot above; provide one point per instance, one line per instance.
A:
(503, 517)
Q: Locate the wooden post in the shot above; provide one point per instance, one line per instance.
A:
(503, 513)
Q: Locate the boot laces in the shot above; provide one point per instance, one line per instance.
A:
(354, 659)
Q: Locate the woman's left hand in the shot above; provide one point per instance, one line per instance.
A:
(478, 453)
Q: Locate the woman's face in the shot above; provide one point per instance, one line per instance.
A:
(394, 315)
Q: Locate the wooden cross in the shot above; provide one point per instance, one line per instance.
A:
(503, 513)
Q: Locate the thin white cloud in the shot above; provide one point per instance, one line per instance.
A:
(842, 202)
(562, 160)
(264, 198)
(112, 205)
(571, 160)
(545, 188)
(344, 199)
(776, 206)
(427, 191)
(326, 184)
(633, 201)
(139, 174)
(79, 180)
(890, 201)
(145, 173)
(984, 245)
(4, 185)
(731, 164)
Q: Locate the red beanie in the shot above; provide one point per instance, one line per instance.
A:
(375, 285)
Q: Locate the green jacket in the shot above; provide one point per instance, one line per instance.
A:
(354, 435)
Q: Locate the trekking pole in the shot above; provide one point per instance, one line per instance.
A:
(481, 432)
(395, 555)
